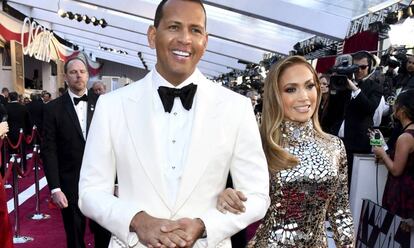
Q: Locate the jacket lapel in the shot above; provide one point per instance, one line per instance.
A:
(138, 107)
(90, 110)
(200, 141)
(67, 102)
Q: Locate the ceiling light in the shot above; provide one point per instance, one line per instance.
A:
(86, 19)
(71, 15)
(78, 17)
(103, 23)
(62, 13)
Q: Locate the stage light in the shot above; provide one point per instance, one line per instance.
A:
(71, 15)
(103, 23)
(94, 21)
(391, 18)
(62, 13)
(86, 19)
(110, 49)
(78, 17)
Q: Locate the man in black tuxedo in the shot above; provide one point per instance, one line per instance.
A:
(18, 118)
(4, 95)
(65, 126)
(35, 108)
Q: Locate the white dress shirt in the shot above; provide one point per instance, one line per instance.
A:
(341, 132)
(81, 111)
(174, 133)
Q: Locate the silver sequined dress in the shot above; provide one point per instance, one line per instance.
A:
(303, 196)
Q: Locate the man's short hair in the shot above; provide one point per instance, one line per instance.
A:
(158, 12)
(362, 55)
(34, 97)
(13, 96)
(65, 67)
(99, 83)
(5, 89)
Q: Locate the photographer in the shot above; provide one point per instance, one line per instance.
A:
(356, 103)
(406, 79)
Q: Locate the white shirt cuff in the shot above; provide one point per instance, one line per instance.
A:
(354, 94)
(55, 190)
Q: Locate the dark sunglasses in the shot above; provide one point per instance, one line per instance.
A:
(363, 67)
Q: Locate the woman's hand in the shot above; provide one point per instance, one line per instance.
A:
(4, 128)
(231, 200)
(378, 151)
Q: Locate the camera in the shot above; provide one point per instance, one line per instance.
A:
(343, 70)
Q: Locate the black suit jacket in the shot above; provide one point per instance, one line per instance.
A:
(35, 109)
(63, 144)
(358, 114)
(3, 100)
(3, 111)
(18, 117)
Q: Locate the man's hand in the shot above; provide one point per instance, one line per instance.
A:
(193, 228)
(231, 200)
(149, 232)
(59, 199)
(351, 85)
(4, 128)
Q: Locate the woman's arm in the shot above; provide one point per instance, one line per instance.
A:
(339, 213)
(404, 146)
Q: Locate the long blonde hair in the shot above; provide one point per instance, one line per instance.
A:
(273, 115)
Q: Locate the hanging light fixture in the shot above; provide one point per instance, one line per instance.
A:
(86, 19)
(103, 23)
(78, 17)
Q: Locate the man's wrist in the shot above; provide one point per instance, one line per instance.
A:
(133, 226)
(55, 190)
(203, 232)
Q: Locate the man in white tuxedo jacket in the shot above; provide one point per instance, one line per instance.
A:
(171, 139)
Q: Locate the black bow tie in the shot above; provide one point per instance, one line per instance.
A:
(186, 94)
(76, 100)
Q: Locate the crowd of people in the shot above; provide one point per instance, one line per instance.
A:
(149, 163)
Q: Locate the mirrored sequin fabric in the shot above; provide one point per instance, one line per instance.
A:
(302, 197)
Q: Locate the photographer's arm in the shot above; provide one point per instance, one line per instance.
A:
(367, 103)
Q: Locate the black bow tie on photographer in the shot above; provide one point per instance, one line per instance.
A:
(186, 95)
(76, 100)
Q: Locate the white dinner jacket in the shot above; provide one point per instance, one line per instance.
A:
(123, 142)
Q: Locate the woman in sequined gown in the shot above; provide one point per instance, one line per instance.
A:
(308, 174)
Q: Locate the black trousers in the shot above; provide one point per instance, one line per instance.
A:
(74, 222)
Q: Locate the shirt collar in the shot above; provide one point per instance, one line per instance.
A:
(72, 95)
(159, 80)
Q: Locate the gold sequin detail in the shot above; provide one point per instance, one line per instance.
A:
(302, 197)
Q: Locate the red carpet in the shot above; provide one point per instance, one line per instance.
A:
(46, 233)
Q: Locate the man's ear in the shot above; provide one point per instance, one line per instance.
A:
(151, 34)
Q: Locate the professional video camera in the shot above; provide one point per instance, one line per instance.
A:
(342, 71)
(394, 57)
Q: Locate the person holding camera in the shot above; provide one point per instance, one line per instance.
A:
(361, 98)
(406, 79)
(398, 195)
